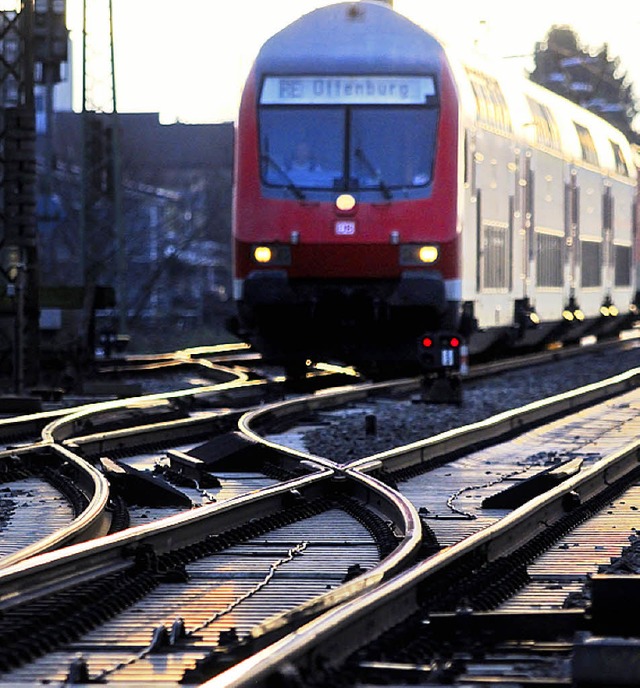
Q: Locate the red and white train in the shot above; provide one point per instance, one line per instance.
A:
(389, 196)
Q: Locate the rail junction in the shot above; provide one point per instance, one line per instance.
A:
(231, 556)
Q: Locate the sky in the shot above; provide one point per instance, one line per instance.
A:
(188, 59)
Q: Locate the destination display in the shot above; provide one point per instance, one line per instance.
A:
(347, 90)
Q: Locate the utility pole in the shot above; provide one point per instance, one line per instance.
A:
(33, 42)
(103, 240)
(19, 275)
(50, 46)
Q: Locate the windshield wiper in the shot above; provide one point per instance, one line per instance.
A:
(360, 154)
(296, 191)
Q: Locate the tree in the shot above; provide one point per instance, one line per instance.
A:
(588, 77)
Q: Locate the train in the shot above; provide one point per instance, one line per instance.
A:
(397, 206)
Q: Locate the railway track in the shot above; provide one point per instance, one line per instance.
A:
(250, 480)
(53, 465)
(471, 613)
(53, 497)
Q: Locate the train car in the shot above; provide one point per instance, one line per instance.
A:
(393, 201)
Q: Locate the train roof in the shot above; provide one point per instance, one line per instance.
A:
(539, 117)
(366, 29)
(370, 30)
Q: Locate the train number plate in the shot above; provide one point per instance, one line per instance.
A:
(345, 228)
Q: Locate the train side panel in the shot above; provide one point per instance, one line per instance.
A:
(548, 220)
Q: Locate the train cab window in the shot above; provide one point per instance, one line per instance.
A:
(369, 134)
(383, 150)
(295, 148)
(621, 163)
(587, 146)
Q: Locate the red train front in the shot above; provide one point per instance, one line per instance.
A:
(345, 223)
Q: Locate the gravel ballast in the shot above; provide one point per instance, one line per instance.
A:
(344, 437)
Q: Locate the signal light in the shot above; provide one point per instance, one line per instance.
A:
(442, 352)
(452, 342)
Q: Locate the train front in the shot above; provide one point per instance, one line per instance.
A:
(345, 194)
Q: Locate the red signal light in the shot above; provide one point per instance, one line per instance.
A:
(454, 342)
(427, 342)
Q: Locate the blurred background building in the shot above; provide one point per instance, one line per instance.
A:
(114, 228)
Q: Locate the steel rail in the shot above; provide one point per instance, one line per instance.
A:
(157, 433)
(500, 425)
(92, 522)
(390, 504)
(327, 637)
(331, 637)
(59, 430)
(62, 430)
(57, 570)
(75, 422)
(47, 421)
(55, 439)
(280, 413)
(32, 424)
(181, 355)
(515, 420)
(421, 452)
(65, 433)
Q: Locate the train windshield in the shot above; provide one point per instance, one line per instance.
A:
(376, 143)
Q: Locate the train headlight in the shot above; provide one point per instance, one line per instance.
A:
(419, 254)
(345, 202)
(262, 254)
(273, 254)
(428, 254)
